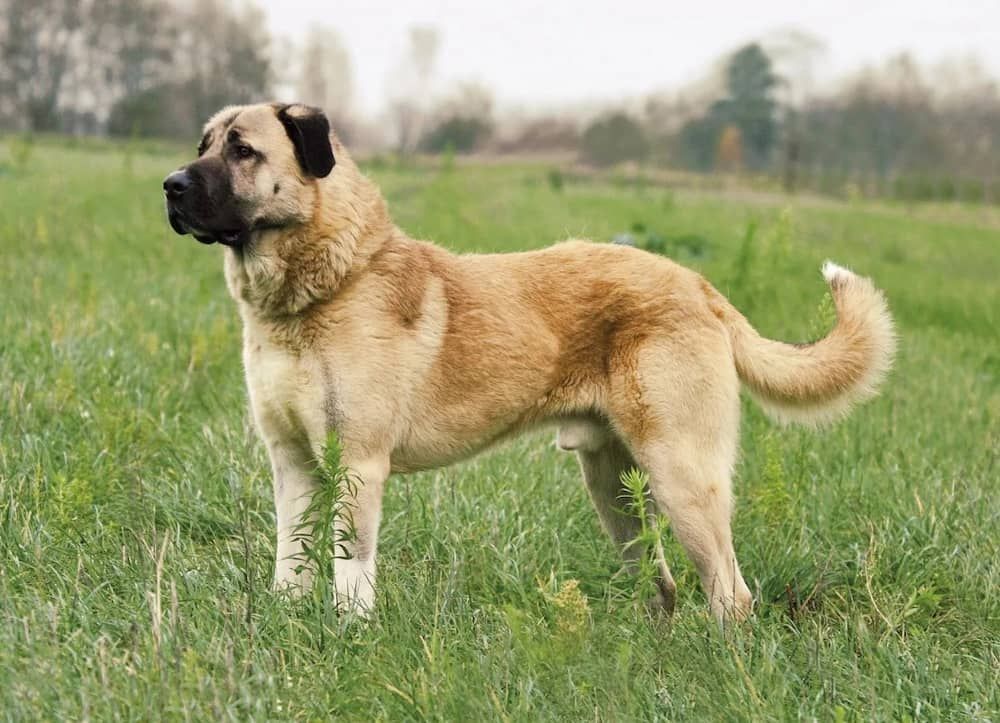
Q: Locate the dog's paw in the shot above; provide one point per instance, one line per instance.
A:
(354, 581)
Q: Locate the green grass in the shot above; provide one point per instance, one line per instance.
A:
(136, 515)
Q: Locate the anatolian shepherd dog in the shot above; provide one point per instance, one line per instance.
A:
(417, 357)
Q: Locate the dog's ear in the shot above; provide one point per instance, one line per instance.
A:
(309, 131)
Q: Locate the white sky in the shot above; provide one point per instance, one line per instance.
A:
(550, 52)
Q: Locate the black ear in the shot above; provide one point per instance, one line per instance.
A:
(309, 131)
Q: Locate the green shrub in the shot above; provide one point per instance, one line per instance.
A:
(461, 135)
(613, 139)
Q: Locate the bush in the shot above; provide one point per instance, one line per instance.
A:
(696, 143)
(555, 178)
(456, 133)
(542, 135)
(163, 111)
(613, 139)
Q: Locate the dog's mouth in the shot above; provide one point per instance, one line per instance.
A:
(227, 237)
(176, 222)
(235, 237)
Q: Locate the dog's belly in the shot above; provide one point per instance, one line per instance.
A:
(575, 433)
(463, 418)
(444, 436)
(427, 450)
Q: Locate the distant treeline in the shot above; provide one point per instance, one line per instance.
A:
(161, 67)
(127, 67)
(887, 132)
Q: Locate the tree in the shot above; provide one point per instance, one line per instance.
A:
(464, 121)
(220, 56)
(407, 102)
(613, 139)
(750, 106)
(794, 55)
(729, 155)
(325, 76)
(134, 66)
(460, 134)
(884, 121)
(545, 133)
(129, 53)
(35, 54)
(697, 142)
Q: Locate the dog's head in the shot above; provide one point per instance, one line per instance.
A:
(257, 168)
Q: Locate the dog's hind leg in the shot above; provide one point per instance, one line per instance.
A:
(603, 459)
(694, 492)
(684, 433)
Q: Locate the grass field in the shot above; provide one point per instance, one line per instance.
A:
(136, 515)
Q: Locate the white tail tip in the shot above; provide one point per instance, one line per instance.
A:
(833, 272)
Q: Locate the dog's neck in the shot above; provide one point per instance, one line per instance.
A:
(281, 273)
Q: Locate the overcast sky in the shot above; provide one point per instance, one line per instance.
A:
(549, 52)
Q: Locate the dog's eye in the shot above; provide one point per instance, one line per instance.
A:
(243, 151)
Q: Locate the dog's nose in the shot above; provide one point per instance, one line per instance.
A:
(176, 184)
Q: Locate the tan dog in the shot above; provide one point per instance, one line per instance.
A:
(417, 357)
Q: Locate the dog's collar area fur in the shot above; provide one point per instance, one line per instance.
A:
(281, 271)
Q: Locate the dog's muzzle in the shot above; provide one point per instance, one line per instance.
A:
(176, 186)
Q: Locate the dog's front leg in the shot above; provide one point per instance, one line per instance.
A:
(357, 528)
(295, 483)
(355, 525)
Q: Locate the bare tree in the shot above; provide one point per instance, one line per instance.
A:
(218, 55)
(796, 55)
(325, 76)
(35, 52)
(469, 100)
(148, 66)
(411, 81)
(463, 121)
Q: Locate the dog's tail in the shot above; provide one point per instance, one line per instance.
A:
(819, 382)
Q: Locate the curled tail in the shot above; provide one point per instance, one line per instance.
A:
(819, 382)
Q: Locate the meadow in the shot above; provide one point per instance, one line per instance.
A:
(136, 520)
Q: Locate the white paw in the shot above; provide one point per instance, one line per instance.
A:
(287, 580)
(354, 581)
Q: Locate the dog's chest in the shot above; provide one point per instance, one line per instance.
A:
(286, 394)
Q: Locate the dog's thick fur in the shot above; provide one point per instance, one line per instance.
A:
(418, 357)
